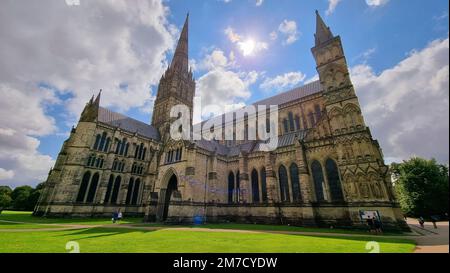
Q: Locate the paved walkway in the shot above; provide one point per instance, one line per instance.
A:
(432, 240)
(428, 239)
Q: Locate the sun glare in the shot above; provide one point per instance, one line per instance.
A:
(247, 47)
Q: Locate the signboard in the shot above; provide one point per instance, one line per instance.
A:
(365, 214)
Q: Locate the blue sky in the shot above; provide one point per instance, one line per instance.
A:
(376, 39)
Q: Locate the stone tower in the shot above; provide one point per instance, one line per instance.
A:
(359, 156)
(177, 86)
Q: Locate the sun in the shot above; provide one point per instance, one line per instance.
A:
(247, 47)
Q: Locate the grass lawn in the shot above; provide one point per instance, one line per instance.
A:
(7, 225)
(112, 240)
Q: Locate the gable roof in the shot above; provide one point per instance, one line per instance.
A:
(128, 124)
(292, 95)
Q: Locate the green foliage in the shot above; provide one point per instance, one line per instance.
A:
(5, 197)
(422, 187)
(25, 197)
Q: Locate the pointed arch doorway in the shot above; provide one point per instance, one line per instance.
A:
(165, 196)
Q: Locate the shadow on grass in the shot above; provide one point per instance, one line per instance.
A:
(102, 232)
(362, 238)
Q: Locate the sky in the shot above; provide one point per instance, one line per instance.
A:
(55, 54)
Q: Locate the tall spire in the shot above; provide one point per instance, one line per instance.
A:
(180, 58)
(323, 33)
(97, 100)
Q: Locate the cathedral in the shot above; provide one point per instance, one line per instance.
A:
(326, 170)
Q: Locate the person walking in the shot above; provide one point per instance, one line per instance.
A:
(433, 220)
(421, 222)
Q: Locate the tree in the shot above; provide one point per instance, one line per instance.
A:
(422, 187)
(5, 197)
(34, 196)
(20, 196)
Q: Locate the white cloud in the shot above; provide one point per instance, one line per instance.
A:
(366, 55)
(376, 3)
(232, 36)
(224, 87)
(223, 84)
(257, 2)
(75, 50)
(6, 174)
(332, 4)
(289, 29)
(281, 82)
(407, 105)
(247, 46)
(312, 79)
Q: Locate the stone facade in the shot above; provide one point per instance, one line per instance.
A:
(327, 166)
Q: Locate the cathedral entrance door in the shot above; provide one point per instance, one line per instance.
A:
(165, 196)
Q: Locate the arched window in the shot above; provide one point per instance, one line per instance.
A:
(133, 168)
(230, 187)
(114, 166)
(143, 154)
(137, 187)
(118, 146)
(102, 142)
(286, 126)
(297, 122)
(97, 162)
(255, 186)
(122, 166)
(91, 160)
(97, 141)
(284, 185)
(317, 173)
(141, 148)
(136, 150)
(238, 186)
(108, 141)
(83, 187)
(122, 146)
(109, 189)
(333, 180)
(291, 121)
(295, 181)
(126, 149)
(130, 191)
(116, 189)
(92, 188)
(263, 185)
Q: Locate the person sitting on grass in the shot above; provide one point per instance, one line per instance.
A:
(119, 216)
(115, 217)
